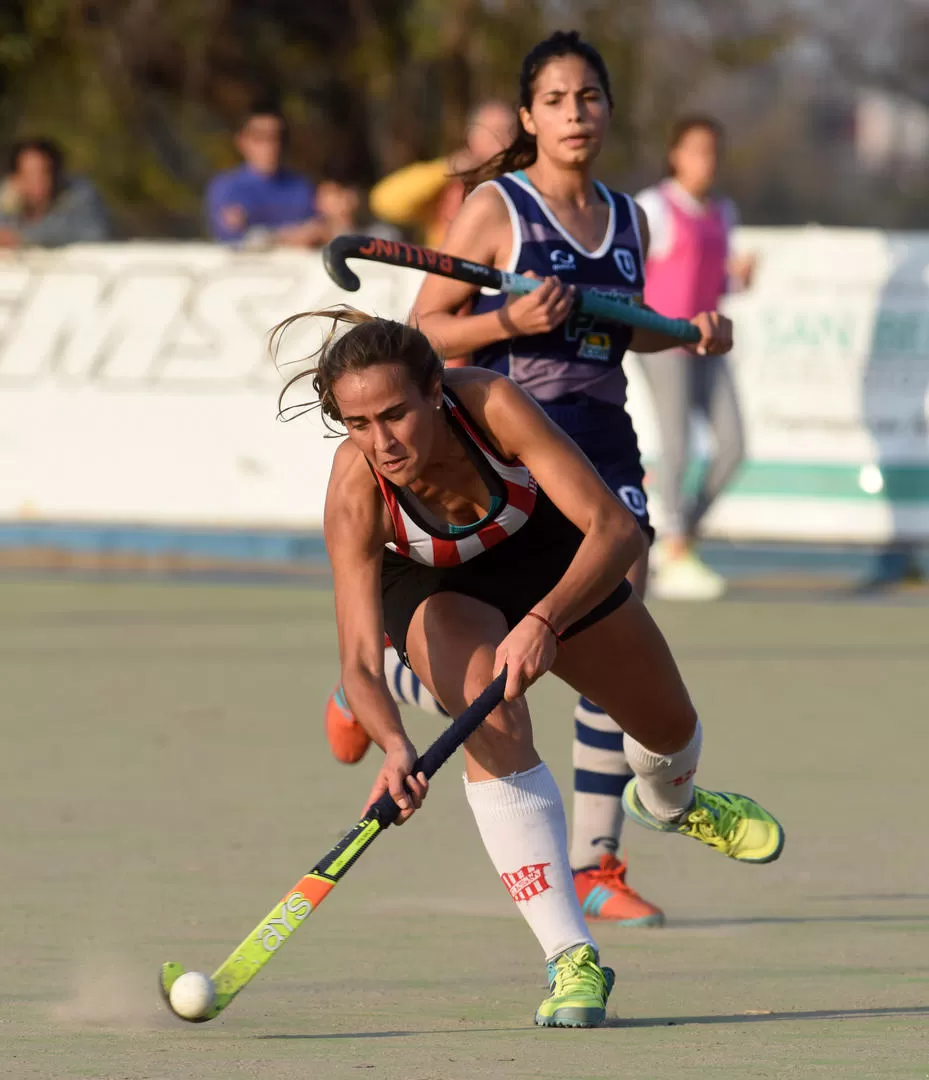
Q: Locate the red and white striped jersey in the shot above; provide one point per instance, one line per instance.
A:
(420, 535)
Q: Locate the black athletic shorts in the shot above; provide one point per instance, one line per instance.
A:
(513, 576)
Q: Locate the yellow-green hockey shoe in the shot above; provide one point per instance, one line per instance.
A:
(734, 825)
(579, 989)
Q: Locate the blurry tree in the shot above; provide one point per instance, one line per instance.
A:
(144, 94)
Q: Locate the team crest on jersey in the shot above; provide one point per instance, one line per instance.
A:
(595, 347)
(626, 263)
(634, 498)
(562, 261)
(526, 882)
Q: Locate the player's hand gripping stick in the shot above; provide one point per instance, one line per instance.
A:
(603, 304)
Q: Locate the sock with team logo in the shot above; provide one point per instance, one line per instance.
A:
(522, 823)
(600, 774)
(665, 781)
(405, 688)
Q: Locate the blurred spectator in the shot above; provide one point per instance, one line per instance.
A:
(426, 195)
(689, 269)
(41, 205)
(261, 203)
(342, 206)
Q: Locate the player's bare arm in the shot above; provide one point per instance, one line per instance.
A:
(355, 532)
(612, 539)
(481, 233)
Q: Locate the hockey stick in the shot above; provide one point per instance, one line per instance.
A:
(244, 963)
(591, 301)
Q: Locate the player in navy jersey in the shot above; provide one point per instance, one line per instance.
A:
(537, 209)
(464, 522)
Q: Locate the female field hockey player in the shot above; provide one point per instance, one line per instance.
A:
(464, 523)
(538, 210)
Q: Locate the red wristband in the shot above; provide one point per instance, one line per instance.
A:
(545, 622)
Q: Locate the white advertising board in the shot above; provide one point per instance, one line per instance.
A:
(832, 365)
(136, 386)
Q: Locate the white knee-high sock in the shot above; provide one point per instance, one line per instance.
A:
(666, 781)
(522, 823)
(600, 774)
(405, 688)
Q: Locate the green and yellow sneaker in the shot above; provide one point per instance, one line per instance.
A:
(579, 990)
(733, 824)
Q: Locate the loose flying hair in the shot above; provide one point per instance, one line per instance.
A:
(522, 150)
(684, 125)
(370, 341)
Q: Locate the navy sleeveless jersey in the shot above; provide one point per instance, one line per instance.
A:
(583, 355)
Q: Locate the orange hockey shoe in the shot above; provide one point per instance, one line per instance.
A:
(348, 740)
(604, 895)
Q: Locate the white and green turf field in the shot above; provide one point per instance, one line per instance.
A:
(165, 780)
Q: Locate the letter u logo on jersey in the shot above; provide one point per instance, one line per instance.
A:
(634, 498)
(625, 263)
(562, 261)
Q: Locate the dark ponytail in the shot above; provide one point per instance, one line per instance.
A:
(522, 150)
(518, 155)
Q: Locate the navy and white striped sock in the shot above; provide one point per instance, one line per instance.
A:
(601, 772)
(405, 687)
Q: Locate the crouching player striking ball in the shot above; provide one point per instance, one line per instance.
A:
(467, 525)
(536, 208)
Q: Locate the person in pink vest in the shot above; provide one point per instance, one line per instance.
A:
(689, 269)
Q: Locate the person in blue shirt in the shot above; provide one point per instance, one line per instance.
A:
(41, 205)
(262, 203)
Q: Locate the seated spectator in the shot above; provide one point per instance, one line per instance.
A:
(343, 207)
(426, 195)
(261, 203)
(41, 205)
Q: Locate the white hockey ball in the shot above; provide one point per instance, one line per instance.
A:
(192, 995)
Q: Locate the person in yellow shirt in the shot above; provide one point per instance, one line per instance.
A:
(424, 196)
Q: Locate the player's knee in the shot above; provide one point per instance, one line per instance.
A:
(503, 743)
(674, 730)
(508, 722)
(479, 672)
